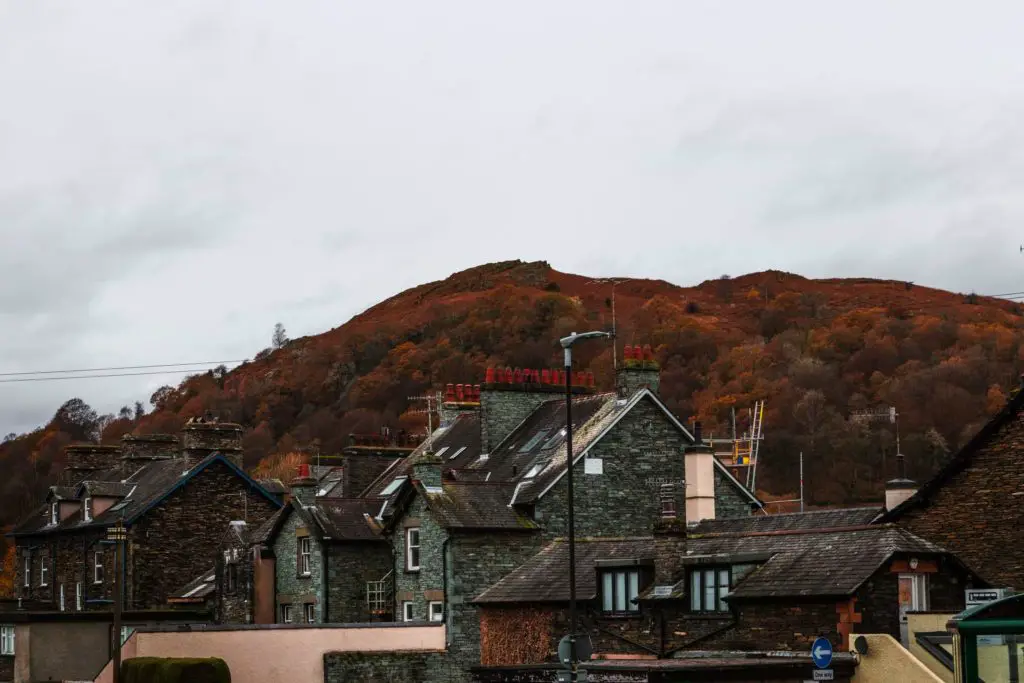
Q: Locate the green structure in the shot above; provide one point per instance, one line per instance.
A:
(988, 642)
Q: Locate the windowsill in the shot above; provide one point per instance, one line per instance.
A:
(306, 575)
(97, 583)
(412, 571)
(621, 615)
(711, 615)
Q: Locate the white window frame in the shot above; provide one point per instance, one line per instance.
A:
(28, 569)
(286, 614)
(78, 596)
(619, 589)
(87, 509)
(407, 610)
(98, 570)
(44, 569)
(54, 513)
(62, 605)
(305, 556)
(309, 612)
(7, 639)
(435, 610)
(409, 547)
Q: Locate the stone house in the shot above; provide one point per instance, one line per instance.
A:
(762, 583)
(974, 505)
(174, 503)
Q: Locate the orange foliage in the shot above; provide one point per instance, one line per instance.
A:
(7, 573)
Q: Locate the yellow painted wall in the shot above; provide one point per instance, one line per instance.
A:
(929, 623)
(888, 661)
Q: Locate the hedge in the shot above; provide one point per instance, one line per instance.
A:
(166, 670)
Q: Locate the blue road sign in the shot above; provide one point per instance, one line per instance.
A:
(821, 653)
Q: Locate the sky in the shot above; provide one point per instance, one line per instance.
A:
(177, 177)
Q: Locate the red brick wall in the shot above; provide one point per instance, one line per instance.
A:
(976, 515)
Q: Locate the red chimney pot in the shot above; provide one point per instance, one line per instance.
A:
(449, 392)
(489, 376)
(476, 392)
(459, 392)
(627, 352)
(304, 471)
(508, 375)
(648, 353)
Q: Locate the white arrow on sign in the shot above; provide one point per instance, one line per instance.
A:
(820, 652)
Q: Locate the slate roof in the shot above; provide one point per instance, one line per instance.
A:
(806, 563)
(344, 519)
(107, 489)
(275, 486)
(544, 578)
(329, 482)
(476, 505)
(63, 493)
(198, 588)
(793, 521)
(264, 532)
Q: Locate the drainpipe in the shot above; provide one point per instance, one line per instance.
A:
(445, 546)
(323, 581)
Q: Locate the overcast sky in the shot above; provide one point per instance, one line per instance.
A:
(176, 177)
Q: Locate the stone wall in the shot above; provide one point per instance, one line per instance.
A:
(426, 584)
(293, 588)
(234, 603)
(350, 566)
(789, 625)
(729, 502)
(976, 511)
(7, 668)
(179, 539)
(642, 452)
(392, 667)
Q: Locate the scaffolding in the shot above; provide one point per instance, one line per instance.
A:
(744, 449)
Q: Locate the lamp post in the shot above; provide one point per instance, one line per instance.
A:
(118, 534)
(567, 344)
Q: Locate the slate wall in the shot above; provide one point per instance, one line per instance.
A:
(292, 588)
(180, 538)
(729, 502)
(7, 668)
(977, 512)
(787, 625)
(349, 567)
(414, 585)
(234, 606)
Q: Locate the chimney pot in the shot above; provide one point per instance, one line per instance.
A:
(517, 376)
(304, 470)
(545, 377)
(460, 392)
(627, 352)
(590, 379)
(697, 438)
(476, 393)
(648, 353)
(489, 376)
(508, 375)
(449, 392)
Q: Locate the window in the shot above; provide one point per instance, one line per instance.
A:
(534, 440)
(97, 567)
(456, 453)
(231, 578)
(6, 639)
(708, 588)
(437, 611)
(286, 614)
(668, 501)
(305, 556)
(619, 589)
(87, 509)
(54, 507)
(62, 608)
(393, 486)
(44, 570)
(126, 633)
(412, 549)
(78, 596)
(534, 471)
(407, 613)
(28, 568)
(310, 613)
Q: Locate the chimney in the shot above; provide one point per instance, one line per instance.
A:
(137, 450)
(85, 460)
(200, 438)
(303, 487)
(509, 395)
(700, 479)
(899, 489)
(638, 371)
(458, 399)
(426, 469)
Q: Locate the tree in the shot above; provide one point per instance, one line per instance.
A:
(125, 413)
(7, 573)
(77, 419)
(161, 396)
(280, 338)
(140, 410)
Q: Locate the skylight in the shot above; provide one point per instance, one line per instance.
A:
(442, 451)
(456, 453)
(393, 486)
(534, 471)
(555, 439)
(534, 440)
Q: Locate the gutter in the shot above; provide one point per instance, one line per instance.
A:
(324, 609)
(445, 547)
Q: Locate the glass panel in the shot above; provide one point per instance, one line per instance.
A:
(620, 591)
(723, 589)
(695, 591)
(709, 589)
(634, 590)
(607, 592)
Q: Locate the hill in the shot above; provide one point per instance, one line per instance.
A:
(816, 350)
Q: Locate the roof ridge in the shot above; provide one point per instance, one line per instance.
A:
(792, 532)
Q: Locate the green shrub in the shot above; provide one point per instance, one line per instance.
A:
(165, 670)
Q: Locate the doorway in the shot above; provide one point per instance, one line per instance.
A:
(913, 598)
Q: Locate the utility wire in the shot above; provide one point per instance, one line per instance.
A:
(122, 374)
(123, 367)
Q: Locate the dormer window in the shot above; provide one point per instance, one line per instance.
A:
(54, 517)
(87, 509)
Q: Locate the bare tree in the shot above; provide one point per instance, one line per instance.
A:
(280, 338)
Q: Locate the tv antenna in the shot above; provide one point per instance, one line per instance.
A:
(432, 402)
(613, 282)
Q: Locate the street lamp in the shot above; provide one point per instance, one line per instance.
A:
(567, 344)
(118, 534)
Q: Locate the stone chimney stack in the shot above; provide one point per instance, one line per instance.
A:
(899, 489)
(85, 460)
(508, 396)
(140, 450)
(201, 437)
(458, 399)
(303, 487)
(426, 469)
(638, 371)
(700, 479)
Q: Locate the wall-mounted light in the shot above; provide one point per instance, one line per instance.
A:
(913, 563)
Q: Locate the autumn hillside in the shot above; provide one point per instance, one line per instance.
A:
(815, 349)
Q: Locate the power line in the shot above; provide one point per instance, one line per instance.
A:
(122, 374)
(123, 367)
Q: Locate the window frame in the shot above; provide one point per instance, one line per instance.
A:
(409, 547)
(63, 607)
(54, 514)
(699, 590)
(305, 556)
(99, 571)
(78, 596)
(430, 611)
(44, 569)
(408, 607)
(28, 569)
(667, 501)
(632, 608)
(87, 509)
(309, 613)
(286, 614)
(231, 578)
(7, 640)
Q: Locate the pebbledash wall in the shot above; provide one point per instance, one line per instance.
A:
(293, 588)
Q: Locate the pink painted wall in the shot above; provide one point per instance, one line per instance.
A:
(281, 654)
